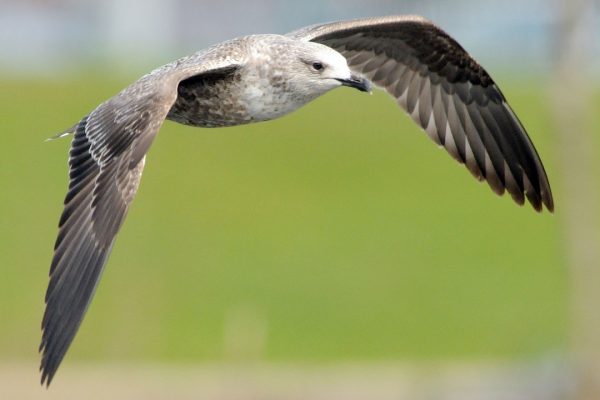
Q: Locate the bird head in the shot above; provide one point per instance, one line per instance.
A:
(317, 69)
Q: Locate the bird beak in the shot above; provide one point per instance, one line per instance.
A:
(356, 82)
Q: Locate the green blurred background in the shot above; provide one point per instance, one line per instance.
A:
(336, 234)
(341, 228)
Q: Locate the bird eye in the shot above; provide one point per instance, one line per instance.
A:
(317, 66)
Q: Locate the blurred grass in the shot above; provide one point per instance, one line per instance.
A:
(341, 226)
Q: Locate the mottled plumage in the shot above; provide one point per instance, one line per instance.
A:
(262, 77)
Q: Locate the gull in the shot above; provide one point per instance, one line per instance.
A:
(259, 78)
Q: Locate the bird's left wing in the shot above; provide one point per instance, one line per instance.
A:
(105, 166)
(447, 93)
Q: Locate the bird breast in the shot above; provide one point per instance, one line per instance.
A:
(265, 93)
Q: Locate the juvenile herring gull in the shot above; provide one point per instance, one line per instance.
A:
(262, 77)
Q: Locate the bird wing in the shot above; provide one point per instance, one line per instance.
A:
(105, 166)
(447, 93)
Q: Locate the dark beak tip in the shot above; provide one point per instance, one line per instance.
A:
(361, 84)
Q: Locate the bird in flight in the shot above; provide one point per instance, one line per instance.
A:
(259, 78)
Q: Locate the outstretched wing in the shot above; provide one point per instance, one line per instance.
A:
(447, 93)
(105, 166)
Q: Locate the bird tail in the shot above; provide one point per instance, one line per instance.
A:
(64, 133)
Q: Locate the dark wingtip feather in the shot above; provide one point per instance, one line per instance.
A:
(534, 200)
(47, 373)
(549, 203)
(50, 361)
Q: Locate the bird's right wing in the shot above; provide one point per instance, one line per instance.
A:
(447, 93)
(105, 166)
